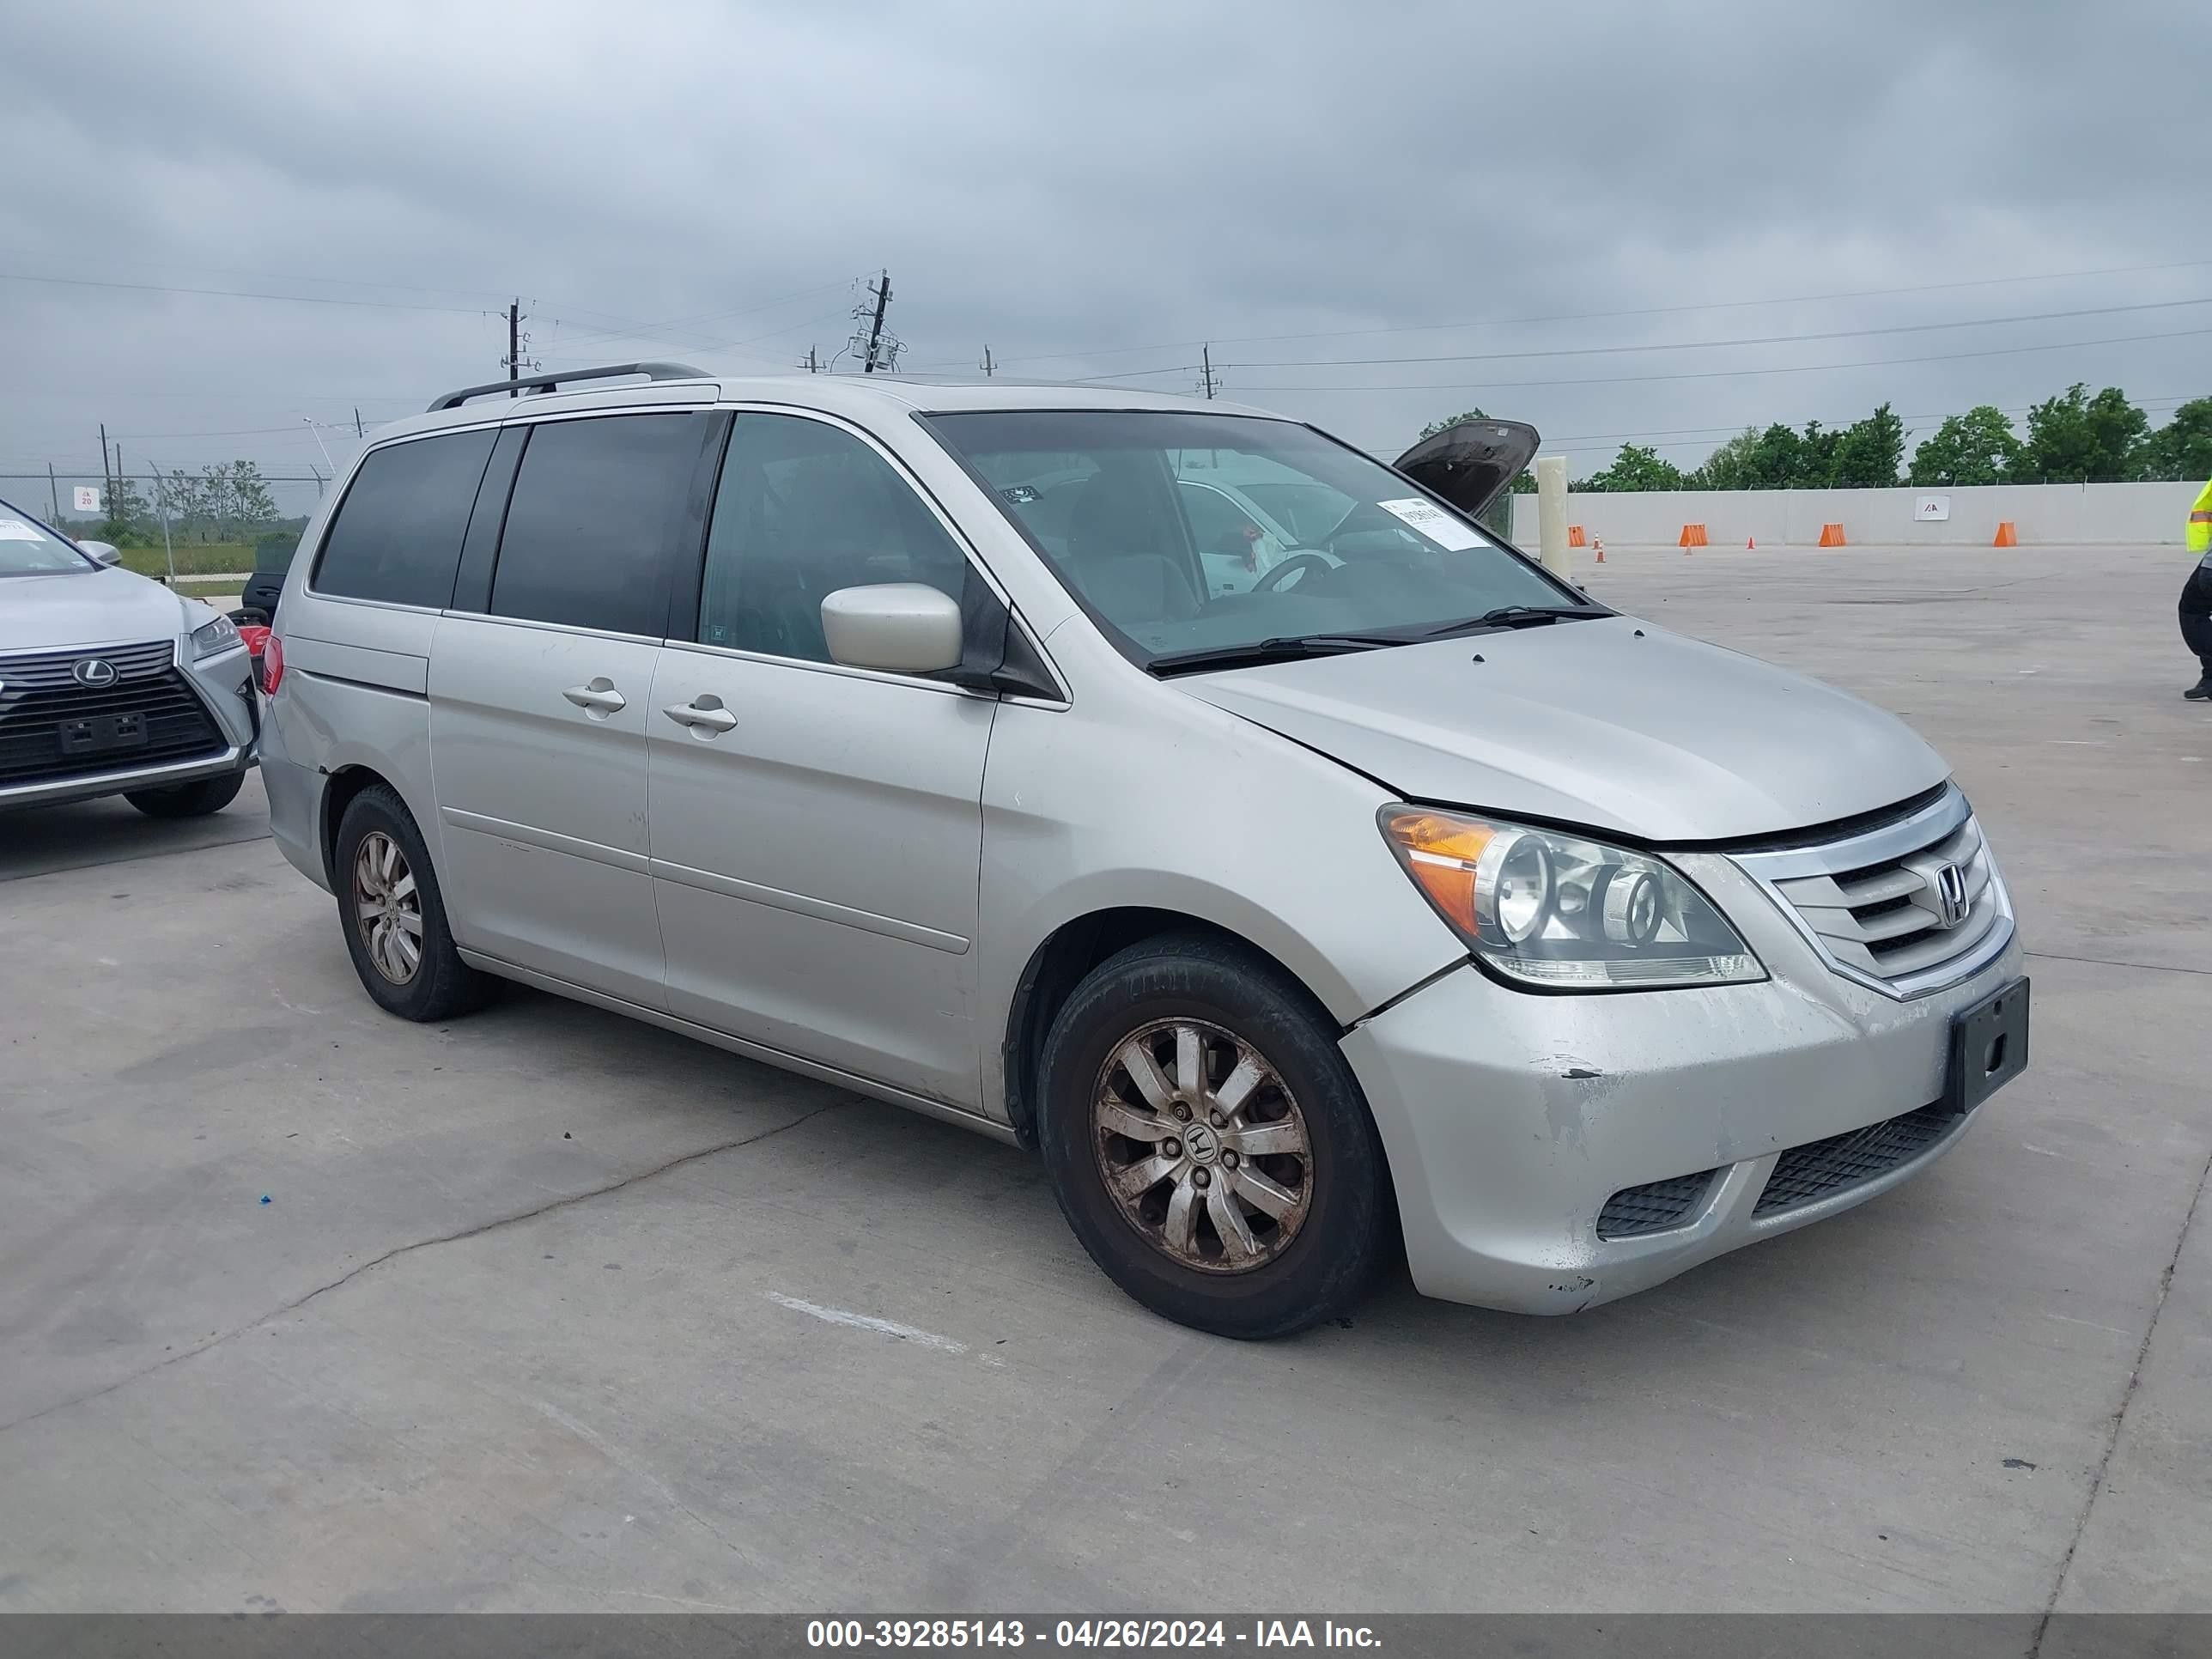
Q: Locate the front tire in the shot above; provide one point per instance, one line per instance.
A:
(394, 915)
(1208, 1142)
(189, 800)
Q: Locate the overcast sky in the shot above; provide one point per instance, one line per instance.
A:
(1095, 190)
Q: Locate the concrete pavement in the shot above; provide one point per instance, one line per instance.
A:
(549, 1310)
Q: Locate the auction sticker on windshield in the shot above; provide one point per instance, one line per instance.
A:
(15, 530)
(1433, 521)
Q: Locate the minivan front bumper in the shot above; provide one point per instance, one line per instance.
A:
(1509, 1119)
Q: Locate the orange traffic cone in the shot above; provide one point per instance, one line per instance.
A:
(1575, 535)
(2008, 536)
(1832, 534)
(1600, 551)
(1749, 543)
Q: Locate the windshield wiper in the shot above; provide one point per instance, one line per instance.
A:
(1287, 648)
(1518, 616)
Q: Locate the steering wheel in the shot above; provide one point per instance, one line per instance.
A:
(1274, 578)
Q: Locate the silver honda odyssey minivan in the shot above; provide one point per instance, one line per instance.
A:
(1165, 786)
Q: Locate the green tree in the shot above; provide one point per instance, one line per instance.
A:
(122, 512)
(1637, 467)
(2073, 438)
(1816, 457)
(251, 504)
(2182, 448)
(1775, 460)
(1435, 427)
(1730, 464)
(1867, 453)
(1976, 447)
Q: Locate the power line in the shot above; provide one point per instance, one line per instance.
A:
(652, 331)
(1726, 374)
(1676, 345)
(1759, 339)
(241, 294)
(1596, 316)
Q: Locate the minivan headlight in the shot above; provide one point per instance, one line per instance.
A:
(209, 638)
(1564, 912)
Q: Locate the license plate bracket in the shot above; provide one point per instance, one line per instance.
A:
(97, 734)
(1989, 1048)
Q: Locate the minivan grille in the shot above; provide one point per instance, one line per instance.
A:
(40, 698)
(1653, 1208)
(1876, 902)
(1819, 1168)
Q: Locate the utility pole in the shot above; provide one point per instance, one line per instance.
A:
(161, 500)
(516, 340)
(810, 364)
(1206, 383)
(107, 472)
(883, 292)
(988, 368)
(53, 494)
(357, 421)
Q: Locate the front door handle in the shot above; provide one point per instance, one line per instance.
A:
(599, 697)
(703, 714)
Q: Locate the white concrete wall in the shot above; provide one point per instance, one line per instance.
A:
(2057, 515)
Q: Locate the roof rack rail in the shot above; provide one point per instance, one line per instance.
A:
(549, 382)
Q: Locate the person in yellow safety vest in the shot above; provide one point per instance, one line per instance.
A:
(2197, 596)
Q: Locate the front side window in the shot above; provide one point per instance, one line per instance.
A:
(29, 548)
(591, 525)
(804, 508)
(1185, 534)
(397, 536)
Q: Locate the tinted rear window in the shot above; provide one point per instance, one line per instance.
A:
(590, 523)
(398, 534)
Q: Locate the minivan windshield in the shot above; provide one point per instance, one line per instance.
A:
(27, 548)
(1200, 540)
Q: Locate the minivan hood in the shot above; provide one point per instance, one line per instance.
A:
(88, 607)
(1612, 723)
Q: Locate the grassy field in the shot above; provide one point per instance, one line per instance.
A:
(192, 558)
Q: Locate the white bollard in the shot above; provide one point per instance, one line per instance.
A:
(1552, 515)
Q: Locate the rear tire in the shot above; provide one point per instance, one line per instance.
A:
(1197, 1064)
(394, 916)
(189, 800)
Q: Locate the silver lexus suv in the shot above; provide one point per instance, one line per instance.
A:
(1377, 891)
(110, 684)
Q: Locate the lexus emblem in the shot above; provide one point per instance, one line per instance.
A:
(93, 670)
(1951, 900)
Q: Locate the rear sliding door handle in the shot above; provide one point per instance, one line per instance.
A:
(599, 697)
(704, 715)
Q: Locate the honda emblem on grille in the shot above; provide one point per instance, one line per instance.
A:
(93, 670)
(1950, 884)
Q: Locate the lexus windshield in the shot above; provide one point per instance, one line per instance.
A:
(1204, 539)
(27, 548)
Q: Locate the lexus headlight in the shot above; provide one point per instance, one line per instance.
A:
(209, 638)
(1561, 912)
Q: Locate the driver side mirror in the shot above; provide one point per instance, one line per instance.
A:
(105, 552)
(897, 627)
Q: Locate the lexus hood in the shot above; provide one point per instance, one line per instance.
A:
(1610, 723)
(89, 607)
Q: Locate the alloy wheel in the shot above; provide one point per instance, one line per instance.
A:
(1202, 1146)
(387, 908)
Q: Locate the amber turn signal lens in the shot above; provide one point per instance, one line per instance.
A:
(1439, 852)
